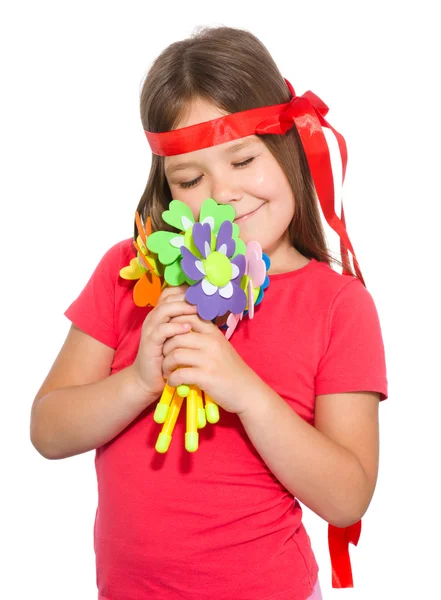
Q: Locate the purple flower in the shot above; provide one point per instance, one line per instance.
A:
(217, 275)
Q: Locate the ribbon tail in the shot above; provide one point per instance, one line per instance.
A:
(345, 255)
(343, 248)
(319, 160)
(339, 539)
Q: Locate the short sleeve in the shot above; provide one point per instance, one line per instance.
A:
(94, 309)
(354, 359)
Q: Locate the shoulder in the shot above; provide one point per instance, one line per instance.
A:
(317, 284)
(105, 272)
(113, 260)
(118, 254)
(320, 298)
(343, 296)
(331, 282)
(334, 287)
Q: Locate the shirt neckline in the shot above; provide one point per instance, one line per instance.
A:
(276, 276)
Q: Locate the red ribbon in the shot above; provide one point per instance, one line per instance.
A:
(210, 133)
(307, 113)
(338, 541)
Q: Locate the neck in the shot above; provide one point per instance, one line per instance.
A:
(284, 257)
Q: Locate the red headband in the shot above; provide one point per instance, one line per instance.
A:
(307, 113)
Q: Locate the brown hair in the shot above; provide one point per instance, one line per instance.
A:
(232, 69)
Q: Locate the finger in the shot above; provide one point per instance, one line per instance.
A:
(198, 324)
(166, 311)
(181, 357)
(175, 298)
(165, 331)
(196, 341)
(186, 376)
(172, 291)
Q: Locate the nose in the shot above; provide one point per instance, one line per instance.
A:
(225, 191)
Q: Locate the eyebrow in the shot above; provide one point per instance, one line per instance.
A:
(231, 150)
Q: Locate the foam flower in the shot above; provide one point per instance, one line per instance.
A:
(267, 261)
(145, 267)
(217, 272)
(168, 245)
(254, 282)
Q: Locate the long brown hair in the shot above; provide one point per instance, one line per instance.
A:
(232, 69)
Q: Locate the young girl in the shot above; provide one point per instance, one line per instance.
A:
(299, 384)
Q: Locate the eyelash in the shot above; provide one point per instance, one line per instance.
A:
(190, 184)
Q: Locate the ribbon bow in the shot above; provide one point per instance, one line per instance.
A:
(301, 110)
(307, 113)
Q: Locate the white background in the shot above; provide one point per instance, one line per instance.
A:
(74, 163)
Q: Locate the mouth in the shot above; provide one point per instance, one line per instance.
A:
(246, 216)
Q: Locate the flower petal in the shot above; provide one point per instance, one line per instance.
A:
(236, 271)
(176, 211)
(133, 271)
(186, 223)
(202, 238)
(256, 269)
(240, 263)
(199, 266)
(218, 212)
(208, 306)
(250, 293)
(224, 237)
(208, 288)
(159, 243)
(238, 300)
(240, 246)
(267, 260)
(227, 290)
(173, 274)
(188, 264)
(224, 306)
(254, 247)
(177, 241)
(232, 322)
(210, 221)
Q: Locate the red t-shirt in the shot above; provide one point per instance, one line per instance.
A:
(216, 524)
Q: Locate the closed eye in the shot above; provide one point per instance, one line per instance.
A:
(190, 184)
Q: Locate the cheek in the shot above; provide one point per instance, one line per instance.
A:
(259, 183)
(268, 183)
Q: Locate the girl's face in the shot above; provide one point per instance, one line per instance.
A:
(242, 173)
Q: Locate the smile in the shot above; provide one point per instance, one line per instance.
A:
(247, 215)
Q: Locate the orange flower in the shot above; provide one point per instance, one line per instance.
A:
(145, 267)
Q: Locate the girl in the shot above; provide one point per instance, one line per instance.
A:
(299, 385)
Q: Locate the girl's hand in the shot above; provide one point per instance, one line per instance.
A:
(203, 357)
(158, 326)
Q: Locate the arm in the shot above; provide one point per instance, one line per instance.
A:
(332, 467)
(80, 407)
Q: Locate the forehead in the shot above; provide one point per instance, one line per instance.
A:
(197, 111)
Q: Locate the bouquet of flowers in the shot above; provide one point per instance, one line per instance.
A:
(224, 275)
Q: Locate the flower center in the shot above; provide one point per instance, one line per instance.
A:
(218, 269)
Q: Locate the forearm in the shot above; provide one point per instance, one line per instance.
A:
(323, 475)
(76, 419)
